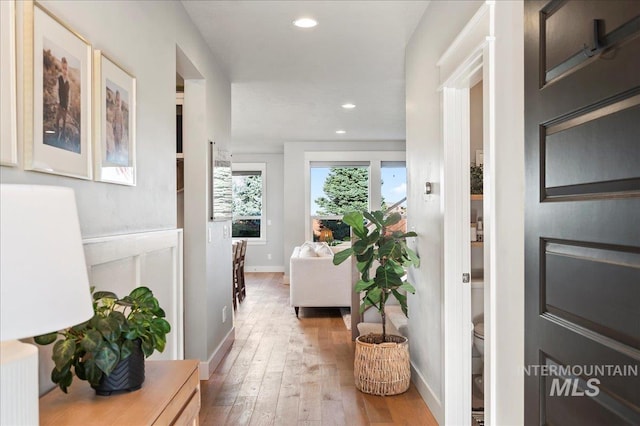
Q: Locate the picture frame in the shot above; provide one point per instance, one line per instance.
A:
(221, 191)
(57, 96)
(114, 122)
(8, 105)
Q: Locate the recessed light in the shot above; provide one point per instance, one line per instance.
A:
(50, 132)
(348, 106)
(341, 132)
(305, 23)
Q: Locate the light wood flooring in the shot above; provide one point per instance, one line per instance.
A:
(287, 371)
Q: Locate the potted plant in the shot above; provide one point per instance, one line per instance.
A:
(109, 349)
(382, 361)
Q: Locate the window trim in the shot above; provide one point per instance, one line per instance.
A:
(262, 168)
(372, 159)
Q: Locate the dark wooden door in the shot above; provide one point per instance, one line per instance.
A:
(582, 129)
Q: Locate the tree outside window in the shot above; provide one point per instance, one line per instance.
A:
(336, 191)
(248, 203)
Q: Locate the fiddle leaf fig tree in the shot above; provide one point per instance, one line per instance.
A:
(376, 243)
(94, 348)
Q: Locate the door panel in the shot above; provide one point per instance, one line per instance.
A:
(562, 39)
(582, 242)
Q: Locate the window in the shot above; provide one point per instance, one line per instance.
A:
(394, 190)
(336, 190)
(339, 187)
(248, 181)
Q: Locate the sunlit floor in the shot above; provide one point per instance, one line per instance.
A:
(287, 371)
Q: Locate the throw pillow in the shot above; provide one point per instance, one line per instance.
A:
(307, 251)
(323, 250)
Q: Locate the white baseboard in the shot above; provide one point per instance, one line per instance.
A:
(207, 368)
(429, 397)
(264, 269)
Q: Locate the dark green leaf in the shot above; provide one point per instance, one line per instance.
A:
(118, 317)
(79, 369)
(391, 249)
(392, 219)
(91, 340)
(162, 324)
(373, 237)
(106, 358)
(360, 246)
(104, 295)
(387, 278)
(147, 347)
(413, 258)
(127, 349)
(140, 293)
(341, 256)
(132, 334)
(373, 295)
(402, 299)
(372, 219)
(366, 256)
(108, 327)
(365, 264)
(92, 372)
(356, 222)
(63, 352)
(159, 343)
(127, 301)
(395, 267)
(46, 339)
(80, 327)
(363, 285)
(62, 377)
(406, 286)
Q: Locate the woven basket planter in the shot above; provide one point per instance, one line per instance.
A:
(382, 368)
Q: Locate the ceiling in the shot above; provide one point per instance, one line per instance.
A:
(288, 84)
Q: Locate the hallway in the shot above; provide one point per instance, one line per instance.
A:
(284, 371)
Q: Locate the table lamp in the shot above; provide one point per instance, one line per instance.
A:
(43, 287)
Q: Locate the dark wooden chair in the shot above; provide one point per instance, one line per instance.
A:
(242, 288)
(235, 263)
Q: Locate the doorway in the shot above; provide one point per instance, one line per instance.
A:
(489, 46)
(467, 266)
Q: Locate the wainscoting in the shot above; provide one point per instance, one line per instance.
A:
(123, 262)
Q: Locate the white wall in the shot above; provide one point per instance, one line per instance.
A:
(424, 163)
(142, 36)
(294, 188)
(475, 120)
(257, 253)
(505, 256)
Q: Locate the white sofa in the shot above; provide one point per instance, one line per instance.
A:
(317, 282)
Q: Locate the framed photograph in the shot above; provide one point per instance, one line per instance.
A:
(221, 194)
(57, 96)
(8, 121)
(115, 122)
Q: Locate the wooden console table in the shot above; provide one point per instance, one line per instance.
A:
(170, 395)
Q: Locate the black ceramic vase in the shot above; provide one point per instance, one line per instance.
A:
(128, 375)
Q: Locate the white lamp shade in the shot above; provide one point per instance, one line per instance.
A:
(43, 275)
